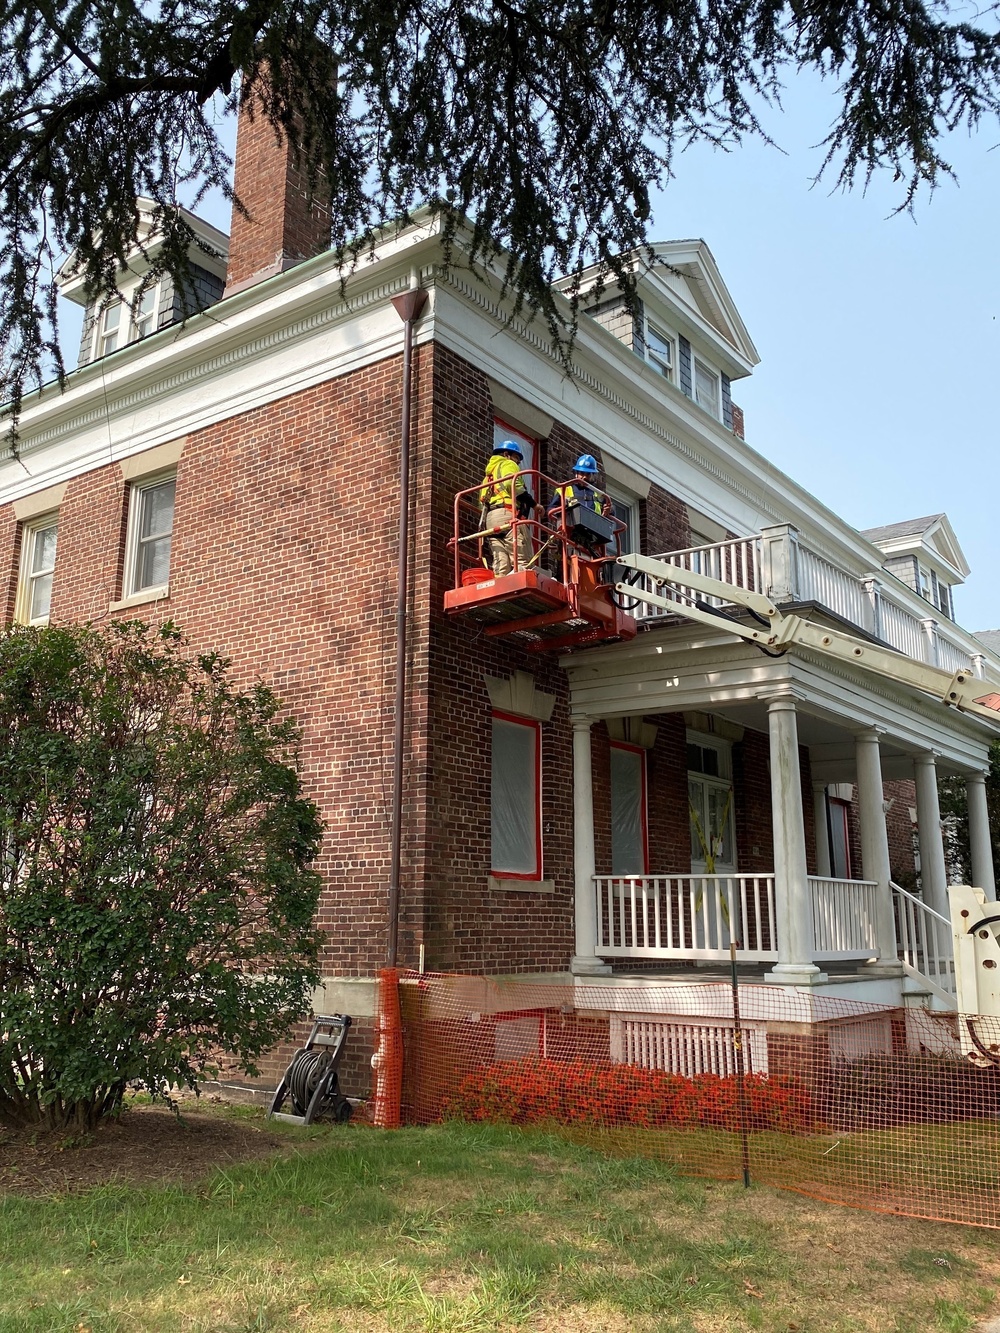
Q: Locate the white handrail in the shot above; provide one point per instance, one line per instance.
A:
(844, 917)
(685, 916)
(925, 943)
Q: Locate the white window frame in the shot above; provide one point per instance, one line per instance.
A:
(104, 334)
(534, 873)
(135, 317)
(663, 366)
(26, 575)
(137, 489)
(502, 430)
(714, 405)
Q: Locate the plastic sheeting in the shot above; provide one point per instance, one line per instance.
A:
(628, 843)
(515, 798)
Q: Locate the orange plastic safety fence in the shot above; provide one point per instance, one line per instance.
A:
(891, 1109)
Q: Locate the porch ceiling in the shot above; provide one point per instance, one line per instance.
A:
(678, 669)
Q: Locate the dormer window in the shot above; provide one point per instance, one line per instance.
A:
(110, 329)
(706, 388)
(145, 316)
(659, 351)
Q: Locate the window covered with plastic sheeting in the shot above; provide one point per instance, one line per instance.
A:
(628, 811)
(516, 798)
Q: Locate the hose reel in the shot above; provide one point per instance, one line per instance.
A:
(311, 1081)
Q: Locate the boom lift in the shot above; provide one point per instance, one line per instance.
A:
(559, 597)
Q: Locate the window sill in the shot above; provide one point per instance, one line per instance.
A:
(141, 598)
(498, 884)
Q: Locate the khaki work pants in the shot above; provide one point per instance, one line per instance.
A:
(502, 545)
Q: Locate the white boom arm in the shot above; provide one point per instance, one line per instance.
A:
(960, 689)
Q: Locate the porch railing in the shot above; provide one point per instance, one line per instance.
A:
(843, 916)
(781, 565)
(926, 947)
(685, 916)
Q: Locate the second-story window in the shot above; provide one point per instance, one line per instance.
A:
(38, 562)
(706, 388)
(151, 525)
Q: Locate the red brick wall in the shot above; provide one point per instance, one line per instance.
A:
(285, 224)
(899, 827)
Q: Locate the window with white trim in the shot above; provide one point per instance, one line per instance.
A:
(38, 562)
(150, 529)
(144, 320)
(706, 387)
(124, 322)
(109, 329)
(629, 823)
(660, 350)
(710, 802)
(516, 797)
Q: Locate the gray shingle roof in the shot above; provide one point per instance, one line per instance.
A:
(911, 527)
(989, 638)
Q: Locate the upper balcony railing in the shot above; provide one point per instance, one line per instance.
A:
(779, 564)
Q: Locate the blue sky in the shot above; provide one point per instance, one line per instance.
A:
(878, 334)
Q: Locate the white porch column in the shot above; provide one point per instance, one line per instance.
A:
(823, 866)
(875, 842)
(979, 835)
(792, 900)
(933, 874)
(585, 961)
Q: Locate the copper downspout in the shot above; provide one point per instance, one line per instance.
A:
(408, 307)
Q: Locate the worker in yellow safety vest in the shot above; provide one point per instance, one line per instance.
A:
(581, 492)
(503, 495)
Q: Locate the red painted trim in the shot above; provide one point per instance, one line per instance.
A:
(536, 727)
(644, 804)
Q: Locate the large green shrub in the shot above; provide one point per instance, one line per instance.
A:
(156, 896)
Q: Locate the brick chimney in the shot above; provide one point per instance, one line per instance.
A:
(286, 224)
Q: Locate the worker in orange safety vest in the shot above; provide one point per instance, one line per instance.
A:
(502, 495)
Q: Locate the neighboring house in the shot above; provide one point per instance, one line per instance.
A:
(237, 473)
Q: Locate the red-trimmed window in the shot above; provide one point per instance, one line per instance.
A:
(516, 767)
(629, 836)
(502, 430)
(838, 814)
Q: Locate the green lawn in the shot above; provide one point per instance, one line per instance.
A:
(460, 1228)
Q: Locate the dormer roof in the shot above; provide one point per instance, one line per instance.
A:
(931, 538)
(210, 251)
(680, 281)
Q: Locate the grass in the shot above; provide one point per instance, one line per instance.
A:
(462, 1229)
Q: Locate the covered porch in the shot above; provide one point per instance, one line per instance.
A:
(808, 919)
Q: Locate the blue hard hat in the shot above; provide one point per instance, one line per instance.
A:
(509, 447)
(586, 463)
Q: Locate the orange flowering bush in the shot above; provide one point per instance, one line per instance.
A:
(578, 1092)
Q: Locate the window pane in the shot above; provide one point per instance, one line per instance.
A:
(628, 850)
(111, 316)
(706, 388)
(41, 597)
(696, 814)
(154, 563)
(514, 798)
(157, 516)
(659, 350)
(625, 513)
(43, 549)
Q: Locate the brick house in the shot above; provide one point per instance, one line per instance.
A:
(237, 473)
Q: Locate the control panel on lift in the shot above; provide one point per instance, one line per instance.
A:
(560, 590)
